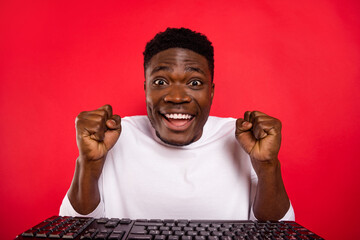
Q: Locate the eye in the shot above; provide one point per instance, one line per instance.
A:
(159, 82)
(195, 83)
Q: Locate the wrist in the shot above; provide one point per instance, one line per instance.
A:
(266, 169)
(89, 170)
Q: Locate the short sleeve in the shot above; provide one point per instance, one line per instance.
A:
(66, 209)
(290, 214)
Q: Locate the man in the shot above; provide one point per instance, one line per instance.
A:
(178, 162)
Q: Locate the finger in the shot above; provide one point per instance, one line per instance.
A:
(107, 109)
(247, 116)
(91, 124)
(95, 130)
(254, 115)
(113, 134)
(258, 130)
(242, 126)
(114, 122)
(264, 125)
(244, 134)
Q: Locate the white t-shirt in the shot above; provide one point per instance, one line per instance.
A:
(143, 177)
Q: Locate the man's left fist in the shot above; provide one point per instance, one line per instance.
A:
(259, 135)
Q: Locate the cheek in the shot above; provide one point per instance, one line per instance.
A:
(204, 99)
(149, 98)
(152, 103)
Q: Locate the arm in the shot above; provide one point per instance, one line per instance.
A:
(96, 133)
(260, 136)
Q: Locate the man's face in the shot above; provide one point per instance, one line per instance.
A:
(179, 93)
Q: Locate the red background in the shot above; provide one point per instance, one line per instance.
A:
(296, 60)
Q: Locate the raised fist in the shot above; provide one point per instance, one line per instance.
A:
(260, 136)
(97, 132)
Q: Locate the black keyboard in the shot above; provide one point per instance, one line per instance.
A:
(121, 229)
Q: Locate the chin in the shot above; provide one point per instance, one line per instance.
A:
(175, 142)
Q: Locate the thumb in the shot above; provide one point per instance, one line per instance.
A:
(242, 126)
(244, 134)
(113, 133)
(114, 122)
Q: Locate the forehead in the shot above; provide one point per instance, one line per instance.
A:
(178, 57)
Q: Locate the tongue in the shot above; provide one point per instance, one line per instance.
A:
(178, 122)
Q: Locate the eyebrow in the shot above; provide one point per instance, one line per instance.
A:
(169, 69)
(161, 68)
(194, 69)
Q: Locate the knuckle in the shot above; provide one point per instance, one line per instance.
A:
(102, 113)
(81, 115)
(107, 107)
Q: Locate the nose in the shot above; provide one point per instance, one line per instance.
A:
(177, 94)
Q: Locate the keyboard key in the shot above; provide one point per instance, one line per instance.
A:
(164, 228)
(70, 235)
(204, 233)
(191, 233)
(179, 233)
(152, 228)
(166, 233)
(56, 234)
(139, 237)
(244, 238)
(156, 220)
(213, 238)
(154, 232)
(200, 238)
(102, 220)
(148, 224)
(225, 238)
(138, 230)
(42, 234)
(186, 237)
(115, 236)
(101, 236)
(141, 220)
(228, 233)
(125, 221)
(193, 224)
(29, 233)
(183, 221)
(216, 233)
(204, 225)
(111, 224)
(159, 237)
(169, 221)
(173, 238)
(176, 228)
(210, 229)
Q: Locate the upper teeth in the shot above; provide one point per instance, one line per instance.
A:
(178, 116)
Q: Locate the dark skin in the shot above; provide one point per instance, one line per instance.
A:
(179, 92)
(178, 81)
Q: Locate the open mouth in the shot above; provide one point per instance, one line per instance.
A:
(178, 121)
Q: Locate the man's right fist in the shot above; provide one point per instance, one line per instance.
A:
(97, 132)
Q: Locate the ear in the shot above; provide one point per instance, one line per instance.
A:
(212, 90)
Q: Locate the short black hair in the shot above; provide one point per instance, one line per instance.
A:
(180, 38)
